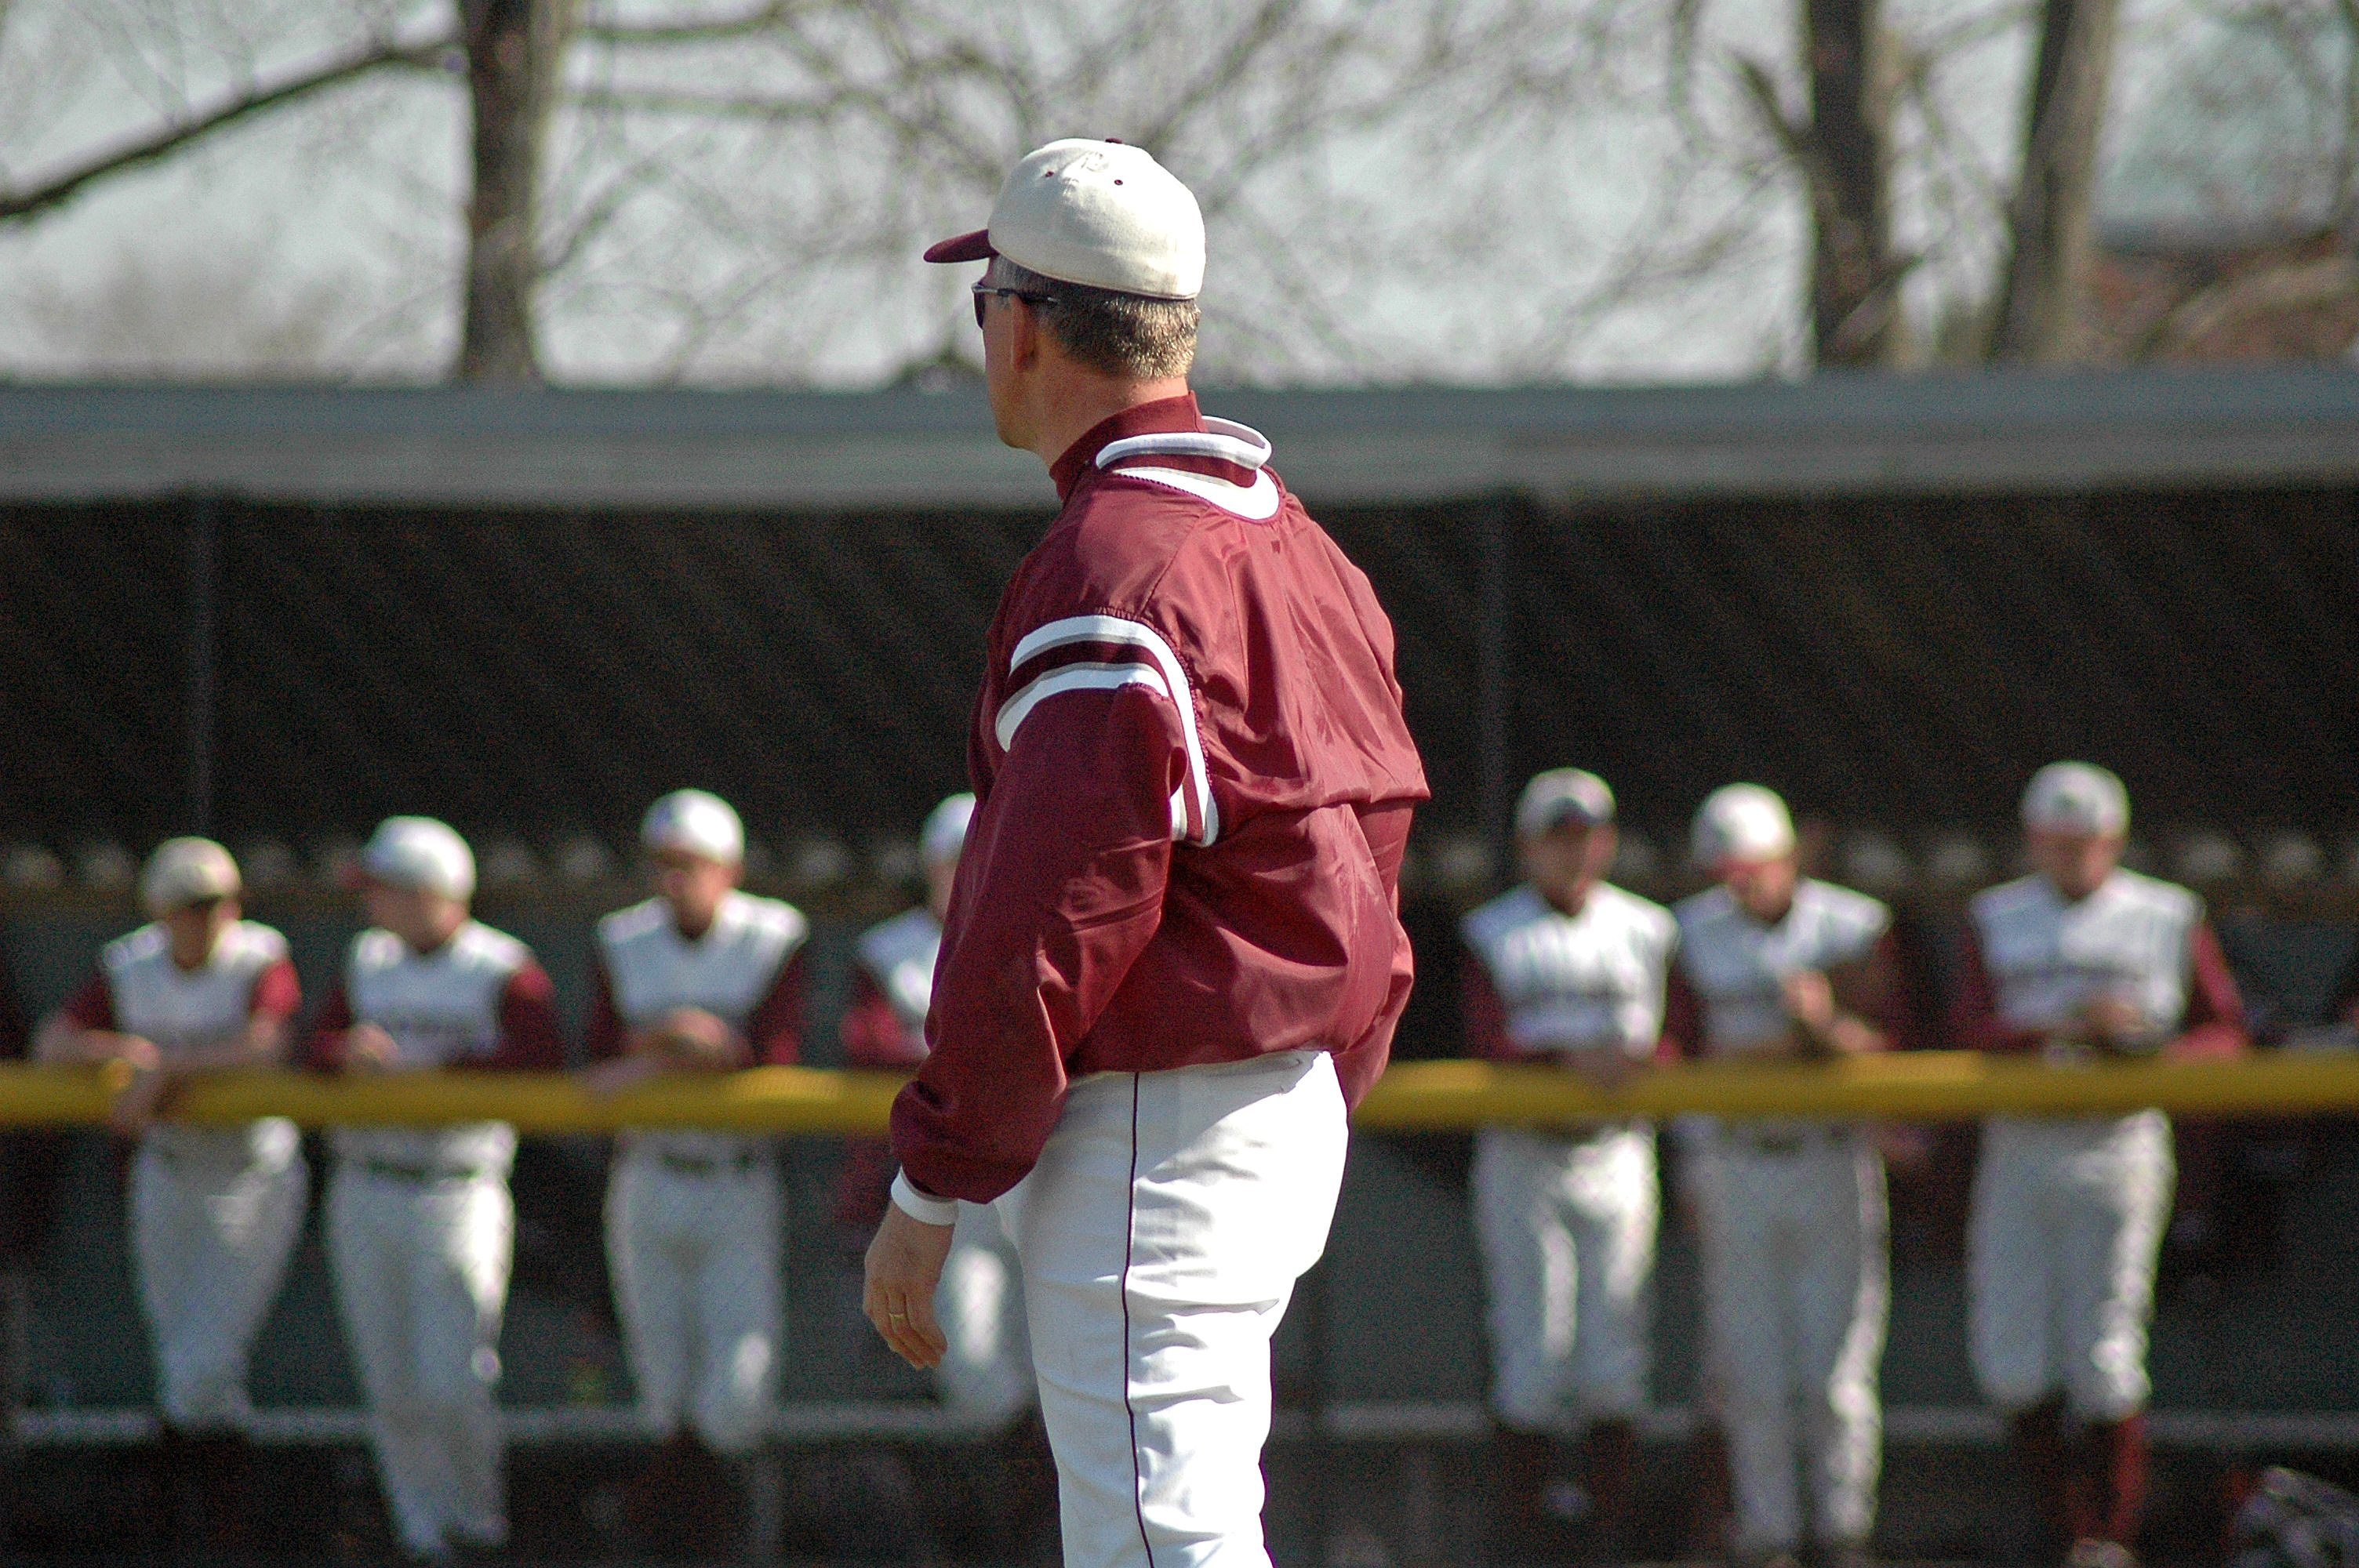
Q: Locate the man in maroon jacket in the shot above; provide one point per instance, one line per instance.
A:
(1173, 956)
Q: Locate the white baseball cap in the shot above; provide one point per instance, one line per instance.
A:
(419, 853)
(2077, 797)
(691, 822)
(1560, 795)
(944, 834)
(1099, 214)
(187, 870)
(1741, 822)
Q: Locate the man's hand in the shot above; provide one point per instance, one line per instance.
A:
(2110, 1023)
(99, 1046)
(369, 1049)
(134, 1105)
(1606, 1067)
(1809, 1000)
(622, 1073)
(692, 1038)
(905, 1264)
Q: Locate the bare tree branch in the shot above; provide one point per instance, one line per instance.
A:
(2266, 291)
(18, 206)
(761, 20)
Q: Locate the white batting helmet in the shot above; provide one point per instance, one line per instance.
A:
(692, 822)
(1741, 822)
(187, 870)
(2077, 797)
(419, 853)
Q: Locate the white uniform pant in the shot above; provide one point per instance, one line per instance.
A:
(986, 1377)
(1161, 1233)
(2067, 1226)
(1567, 1224)
(695, 1261)
(1796, 1290)
(210, 1232)
(421, 1267)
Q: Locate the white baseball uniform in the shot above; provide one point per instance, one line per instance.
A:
(2069, 1212)
(1793, 1225)
(1138, 1328)
(214, 1211)
(986, 1379)
(421, 1228)
(1567, 1218)
(693, 1218)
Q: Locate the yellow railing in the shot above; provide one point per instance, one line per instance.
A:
(1430, 1096)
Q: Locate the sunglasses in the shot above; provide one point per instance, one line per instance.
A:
(983, 291)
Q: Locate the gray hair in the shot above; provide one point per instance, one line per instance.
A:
(1119, 334)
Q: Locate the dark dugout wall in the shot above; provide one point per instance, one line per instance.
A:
(1899, 663)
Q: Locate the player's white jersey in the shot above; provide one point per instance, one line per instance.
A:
(2047, 956)
(725, 972)
(440, 1008)
(181, 1010)
(1592, 978)
(900, 956)
(177, 1010)
(1737, 965)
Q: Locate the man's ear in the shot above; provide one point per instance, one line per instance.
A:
(1026, 338)
(1604, 843)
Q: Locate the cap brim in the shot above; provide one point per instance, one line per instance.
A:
(964, 248)
(1563, 814)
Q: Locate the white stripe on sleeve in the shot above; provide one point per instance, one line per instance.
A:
(1069, 677)
(1122, 633)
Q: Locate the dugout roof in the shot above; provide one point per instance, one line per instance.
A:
(1984, 433)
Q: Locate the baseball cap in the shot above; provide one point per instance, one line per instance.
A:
(691, 822)
(419, 853)
(1560, 795)
(1741, 822)
(1099, 214)
(944, 834)
(185, 871)
(2077, 797)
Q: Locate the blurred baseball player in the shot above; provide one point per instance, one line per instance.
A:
(2080, 959)
(420, 1226)
(701, 977)
(214, 1211)
(1773, 965)
(984, 1377)
(985, 1373)
(1173, 956)
(1571, 970)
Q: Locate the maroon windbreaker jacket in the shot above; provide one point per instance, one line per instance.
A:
(1194, 788)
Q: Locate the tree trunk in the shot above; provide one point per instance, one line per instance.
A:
(1854, 279)
(515, 50)
(2039, 319)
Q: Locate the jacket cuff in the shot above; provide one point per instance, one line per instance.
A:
(918, 1206)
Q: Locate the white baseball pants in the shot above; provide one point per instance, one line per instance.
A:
(1567, 1224)
(985, 1378)
(421, 1267)
(1795, 1289)
(1161, 1233)
(2066, 1229)
(695, 1259)
(213, 1220)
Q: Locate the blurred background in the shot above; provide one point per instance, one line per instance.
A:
(514, 412)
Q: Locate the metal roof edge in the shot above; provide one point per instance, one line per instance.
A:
(2001, 430)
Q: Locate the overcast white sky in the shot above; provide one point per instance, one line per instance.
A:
(326, 239)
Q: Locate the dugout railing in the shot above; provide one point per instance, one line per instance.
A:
(1416, 1097)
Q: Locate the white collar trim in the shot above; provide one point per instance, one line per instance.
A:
(1225, 439)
